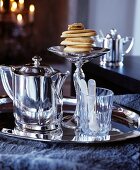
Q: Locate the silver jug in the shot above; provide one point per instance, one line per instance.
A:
(36, 94)
(116, 44)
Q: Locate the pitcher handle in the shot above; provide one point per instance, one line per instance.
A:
(5, 81)
(131, 44)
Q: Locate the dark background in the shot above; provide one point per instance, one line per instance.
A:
(51, 19)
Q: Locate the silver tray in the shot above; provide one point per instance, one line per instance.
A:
(125, 125)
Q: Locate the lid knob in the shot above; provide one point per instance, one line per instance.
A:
(113, 32)
(37, 60)
(113, 35)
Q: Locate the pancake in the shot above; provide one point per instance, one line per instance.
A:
(77, 41)
(80, 39)
(84, 34)
(76, 26)
(77, 38)
(73, 43)
(72, 49)
(78, 31)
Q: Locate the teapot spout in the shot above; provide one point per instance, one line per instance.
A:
(5, 78)
(98, 39)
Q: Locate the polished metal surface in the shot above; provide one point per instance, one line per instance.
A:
(125, 125)
(83, 57)
(116, 44)
(36, 90)
(5, 99)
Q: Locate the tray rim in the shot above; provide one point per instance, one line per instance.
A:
(120, 137)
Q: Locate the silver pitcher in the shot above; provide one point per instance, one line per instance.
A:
(116, 44)
(36, 94)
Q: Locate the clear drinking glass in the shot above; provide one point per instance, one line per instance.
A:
(95, 112)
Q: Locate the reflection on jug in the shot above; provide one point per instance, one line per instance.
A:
(36, 94)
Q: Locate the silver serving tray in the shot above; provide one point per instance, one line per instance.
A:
(125, 125)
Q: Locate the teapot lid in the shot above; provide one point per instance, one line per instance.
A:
(113, 34)
(35, 69)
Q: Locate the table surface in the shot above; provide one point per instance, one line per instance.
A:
(27, 154)
(126, 77)
(130, 68)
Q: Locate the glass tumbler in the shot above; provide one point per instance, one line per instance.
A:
(95, 112)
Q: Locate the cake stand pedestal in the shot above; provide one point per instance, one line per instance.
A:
(79, 59)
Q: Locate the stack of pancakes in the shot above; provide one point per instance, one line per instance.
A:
(77, 38)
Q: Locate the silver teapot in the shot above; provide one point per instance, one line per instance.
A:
(36, 91)
(116, 44)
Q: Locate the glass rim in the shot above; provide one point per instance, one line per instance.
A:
(110, 94)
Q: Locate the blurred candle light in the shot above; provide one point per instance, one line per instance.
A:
(31, 13)
(19, 19)
(1, 6)
(11, 1)
(14, 7)
(21, 5)
(1, 9)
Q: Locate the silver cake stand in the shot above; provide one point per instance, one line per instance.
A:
(79, 59)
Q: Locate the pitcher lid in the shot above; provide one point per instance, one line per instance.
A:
(113, 34)
(35, 69)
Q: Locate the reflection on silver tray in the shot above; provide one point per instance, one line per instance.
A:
(125, 125)
(73, 57)
(5, 99)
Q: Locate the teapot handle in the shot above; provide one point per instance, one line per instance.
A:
(131, 44)
(5, 81)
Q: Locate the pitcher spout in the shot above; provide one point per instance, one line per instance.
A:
(62, 78)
